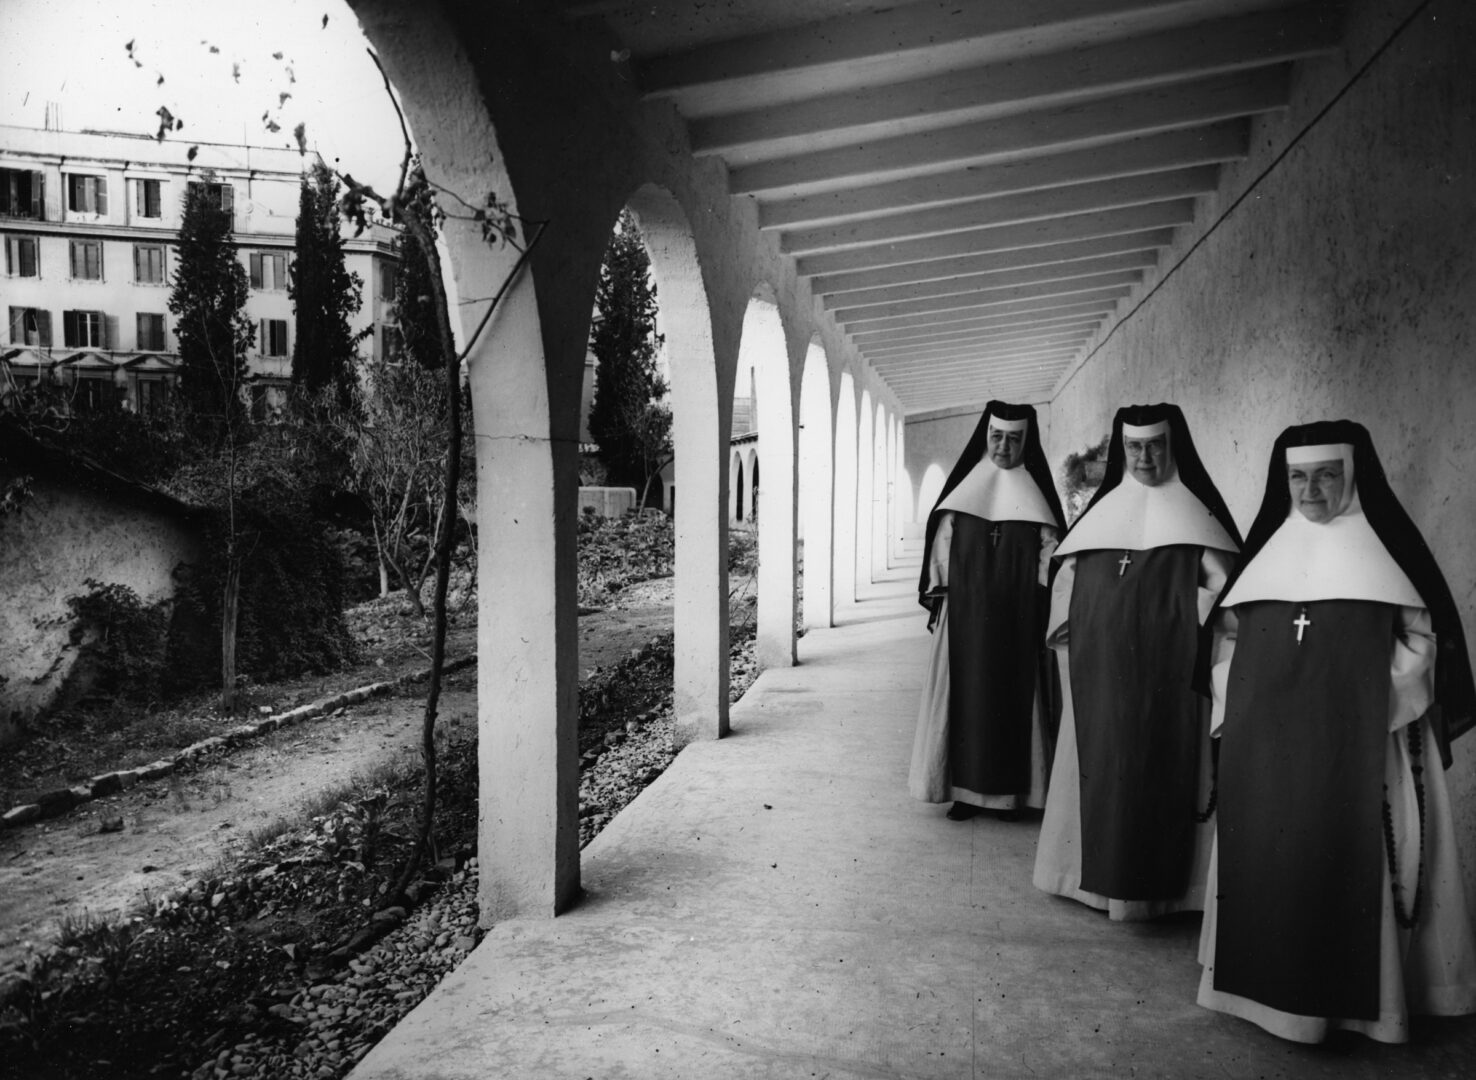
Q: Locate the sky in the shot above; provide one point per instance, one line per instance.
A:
(74, 53)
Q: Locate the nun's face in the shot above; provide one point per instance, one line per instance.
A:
(1006, 448)
(1317, 489)
(1147, 459)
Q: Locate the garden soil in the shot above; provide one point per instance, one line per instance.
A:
(184, 827)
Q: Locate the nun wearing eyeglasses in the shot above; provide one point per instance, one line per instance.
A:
(1339, 675)
(1123, 830)
(981, 739)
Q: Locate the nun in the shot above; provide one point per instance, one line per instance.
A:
(1124, 827)
(982, 739)
(1339, 676)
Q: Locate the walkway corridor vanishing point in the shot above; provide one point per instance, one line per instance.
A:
(775, 905)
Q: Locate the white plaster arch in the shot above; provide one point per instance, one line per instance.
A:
(816, 487)
(700, 441)
(764, 349)
(882, 493)
(847, 494)
(865, 487)
(527, 478)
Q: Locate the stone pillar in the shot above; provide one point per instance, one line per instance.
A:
(881, 505)
(846, 493)
(865, 484)
(817, 474)
(701, 438)
(763, 332)
(527, 637)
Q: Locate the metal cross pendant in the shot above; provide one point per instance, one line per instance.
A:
(995, 536)
(1301, 622)
(1123, 563)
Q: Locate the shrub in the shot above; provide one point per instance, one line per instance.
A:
(122, 639)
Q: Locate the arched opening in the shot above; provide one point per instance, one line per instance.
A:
(928, 491)
(865, 488)
(764, 351)
(700, 443)
(816, 480)
(881, 492)
(754, 483)
(737, 485)
(846, 493)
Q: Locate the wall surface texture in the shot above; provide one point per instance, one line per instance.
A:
(60, 538)
(1342, 286)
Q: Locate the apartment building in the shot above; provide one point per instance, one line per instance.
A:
(90, 222)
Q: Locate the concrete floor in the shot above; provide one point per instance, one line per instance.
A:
(775, 905)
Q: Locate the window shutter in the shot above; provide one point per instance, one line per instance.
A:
(43, 328)
(110, 332)
(138, 196)
(138, 264)
(227, 198)
(255, 259)
(69, 329)
(17, 327)
(73, 252)
(262, 341)
(11, 257)
(30, 258)
(38, 202)
(102, 195)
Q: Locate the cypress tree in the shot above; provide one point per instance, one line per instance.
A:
(325, 296)
(209, 303)
(624, 341)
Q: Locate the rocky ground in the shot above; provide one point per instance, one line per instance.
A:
(210, 936)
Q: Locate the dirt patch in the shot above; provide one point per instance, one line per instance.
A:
(177, 830)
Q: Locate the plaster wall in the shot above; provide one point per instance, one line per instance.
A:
(1344, 285)
(57, 540)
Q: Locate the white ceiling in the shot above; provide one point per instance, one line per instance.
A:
(972, 188)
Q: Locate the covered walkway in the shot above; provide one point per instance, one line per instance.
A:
(775, 905)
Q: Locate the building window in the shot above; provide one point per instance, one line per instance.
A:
(151, 395)
(394, 344)
(274, 337)
(22, 194)
(30, 326)
(22, 257)
(94, 393)
(386, 281)
(87, 260)
(219, 196)
(148, 264)
(150, 332)
(148, 198)
(268, 271)
(268, 401)
(84, 330)
(87, 194)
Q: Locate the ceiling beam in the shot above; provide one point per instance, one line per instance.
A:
(870, 35)
(903, 358)
(1128, 260)
(1042, 374)
(990, 324)
(1102, 120)
(1226, 141)
(1002, 237)
(982, 337)
(986, 298)
(1104, 301)
(1039, 255)
(1216, 47)
(1005, 209)
(944, 364)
